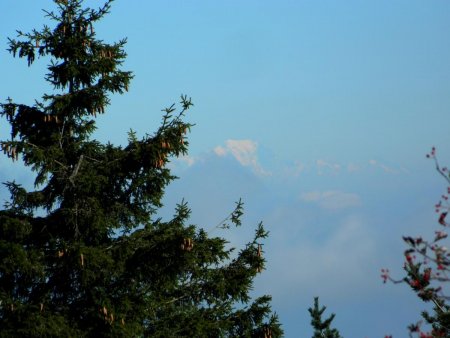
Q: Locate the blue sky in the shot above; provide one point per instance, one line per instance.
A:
(317, 113)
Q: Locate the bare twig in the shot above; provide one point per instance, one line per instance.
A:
(75, 170)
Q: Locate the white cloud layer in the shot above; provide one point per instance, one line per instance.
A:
(332, 199)
(324, 166)
(188, 160)
(388, 169)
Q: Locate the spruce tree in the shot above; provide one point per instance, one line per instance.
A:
(322, 328)
(84, 253)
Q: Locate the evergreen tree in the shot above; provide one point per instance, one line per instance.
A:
(322, 328)
(84, 254)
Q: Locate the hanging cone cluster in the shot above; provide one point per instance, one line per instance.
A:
(267, 332)
(259, 254)
(165, 145)
(100, 109)
(160, 160)
(107, 54)
(108, 318)
(187, 245)
(52, 118)
(9, 150)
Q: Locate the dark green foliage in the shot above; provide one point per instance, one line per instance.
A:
(419, 279)
(84, 254)
(322, 328)
(440, 321)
